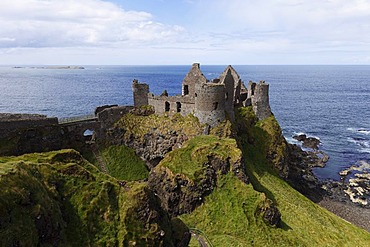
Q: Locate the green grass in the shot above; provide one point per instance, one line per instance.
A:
(124, 164)
(138, 126)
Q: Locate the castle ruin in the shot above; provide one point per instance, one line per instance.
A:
(210, 101)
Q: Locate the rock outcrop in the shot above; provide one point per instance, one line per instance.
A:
(152, 137)
(308, 142)
(183, 185)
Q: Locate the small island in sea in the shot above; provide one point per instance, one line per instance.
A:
(209, 167)
(50, 67)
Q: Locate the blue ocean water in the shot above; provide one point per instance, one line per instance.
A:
(329, 102)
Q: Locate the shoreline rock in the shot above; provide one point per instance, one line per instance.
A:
(354, 186)
(308, 142)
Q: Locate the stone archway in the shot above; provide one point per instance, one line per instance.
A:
(89, 135)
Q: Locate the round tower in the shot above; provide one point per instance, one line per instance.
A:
(210, 103)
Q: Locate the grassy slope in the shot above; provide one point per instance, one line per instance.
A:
(124, 164)
(228, 216)
(58, 198)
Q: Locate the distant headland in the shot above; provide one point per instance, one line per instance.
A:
(49, 67)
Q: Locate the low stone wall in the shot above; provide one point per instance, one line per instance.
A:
(110, 115)
(21, 124)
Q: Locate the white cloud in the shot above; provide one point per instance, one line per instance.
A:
(214, 31)
(290, 28)
(70, 23)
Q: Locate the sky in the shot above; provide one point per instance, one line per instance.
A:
(174, 32)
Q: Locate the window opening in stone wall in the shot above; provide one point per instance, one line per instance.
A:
(196, 95)
(166, 106)
(215, 106)
(88, 132)
(178, 106)
(186, 89)
(226, 96)
(253, 87)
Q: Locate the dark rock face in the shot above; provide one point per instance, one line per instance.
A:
(300, 174)
(179, 194)
(149, 213)
(154, 146)
(158, 135)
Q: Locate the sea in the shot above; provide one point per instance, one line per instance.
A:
(327, 102)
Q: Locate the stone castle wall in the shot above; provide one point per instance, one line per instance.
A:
(27, 123)
(172, 104)
(109, 115)
(26, 133)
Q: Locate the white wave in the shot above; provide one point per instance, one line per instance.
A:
(350, 139)
(291, 140)
(316, 137)
(364, 131)
(366, 144)
(362, 143)
(299, 133)
(307, 135)
(365, 150)
(359, 130)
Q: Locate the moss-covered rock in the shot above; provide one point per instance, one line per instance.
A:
(267, 138)
(59, 199)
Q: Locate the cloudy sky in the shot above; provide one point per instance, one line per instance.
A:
(144, 32)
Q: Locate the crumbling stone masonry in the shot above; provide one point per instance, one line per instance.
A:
(210, 101)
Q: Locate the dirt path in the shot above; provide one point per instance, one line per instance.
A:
(202, 240)
(99, 158)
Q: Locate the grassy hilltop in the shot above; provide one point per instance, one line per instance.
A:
(60, 199)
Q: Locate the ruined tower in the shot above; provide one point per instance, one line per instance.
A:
(232, 82)
(140, 91)
(260, 99)
(193, 77)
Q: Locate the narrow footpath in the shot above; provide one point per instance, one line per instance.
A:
(201, 238)
(99, 158)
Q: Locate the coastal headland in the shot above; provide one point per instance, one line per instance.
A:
(208, 167)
